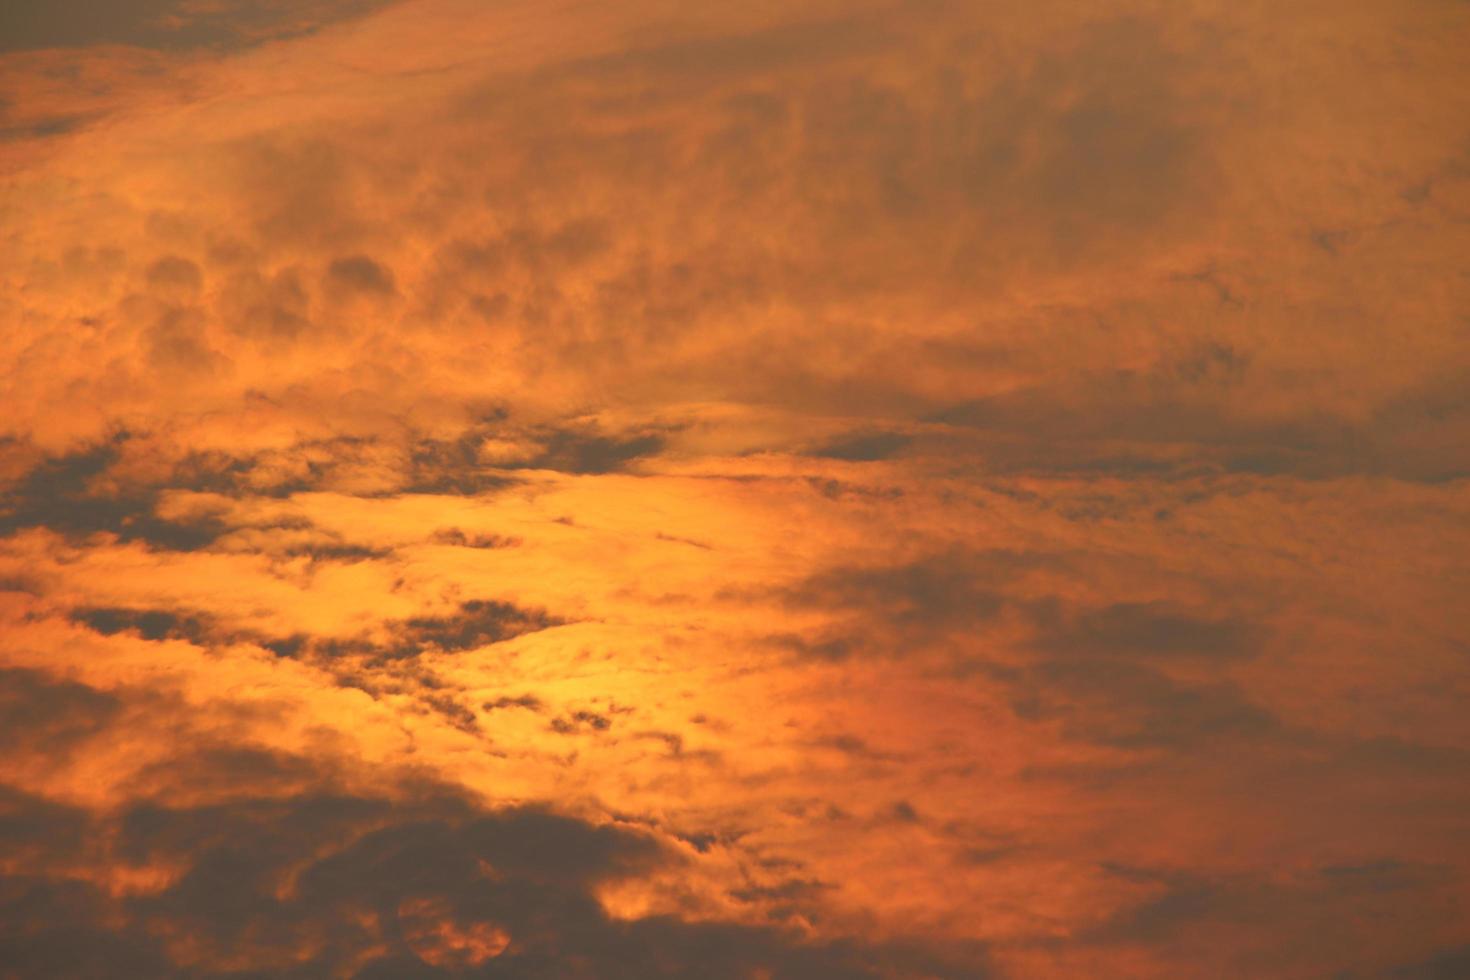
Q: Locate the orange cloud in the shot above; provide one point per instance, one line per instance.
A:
(805, 490)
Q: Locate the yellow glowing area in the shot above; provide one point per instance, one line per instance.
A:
(785, 490)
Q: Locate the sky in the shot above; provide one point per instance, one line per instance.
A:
(555, 489)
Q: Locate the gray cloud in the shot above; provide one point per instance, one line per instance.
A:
(40, 714)
(149, 624)
(865, 447)
(934, 591)
(1181, 417)
(361, 274)
(474, 623)
(28, 24)
(356, 859)
(1145, 630)
(289, 873)
(59, 494)
(1130, 705)
(1448, 964)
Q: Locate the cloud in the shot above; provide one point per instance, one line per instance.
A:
(865, 447)
(581, 721)
(281, 865)
(58, 494)
(573, 453)
(474, 624)
(933, 591)
(41, 715)
(477, 622)
(651, 489)
(458, 538)
(312, 883)
(1144, 631)
(1170, 419)
(1443, 966)
(162, 23)
(360, 274)
(1133, 706)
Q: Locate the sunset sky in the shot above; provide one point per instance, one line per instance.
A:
(651, 489)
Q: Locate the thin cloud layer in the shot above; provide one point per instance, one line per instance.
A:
(806, 490)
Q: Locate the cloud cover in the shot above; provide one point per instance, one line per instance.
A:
(893, 490)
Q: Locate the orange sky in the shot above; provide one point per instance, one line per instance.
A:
(801, 490)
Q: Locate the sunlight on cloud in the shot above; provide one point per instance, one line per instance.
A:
(852, 490)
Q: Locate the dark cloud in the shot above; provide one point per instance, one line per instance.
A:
(1182, 899)
(529, 248)
(456, 466)
(284, 871)
(175, 274)
(1189, 913)
(783, 899)
(1142, 629)
(329, 551)
(150, 624)
(1382, 876)
(672, 741)
(454, 709)
(26, 24)
(676, 539)
(1072, 147)
(68, 23)
(42, 129)
(318, 884)
(453, 466)
(474, 623)
(44, 714)
(218, 472)
(477, 623)
(361, 274)
(56, 927)
(865, 447)
(424, 466)
(458, 538)
(903, 812)
(527, 701)
(302, 189)
(1179, 418)
(819, 647)
(709, 60)
(850, 745)
(274, 307)
(117, 487)
(581, 721)
(1130, 705)
(919, 171)
(66, 494)
(102, 488)
(1449, 964)
(381, 662)
(386, 661)
(846, 490)
(938, 590)
(581, 452)
(935, 602)
(216, 768)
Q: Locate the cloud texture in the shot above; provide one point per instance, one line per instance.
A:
(942, 489)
